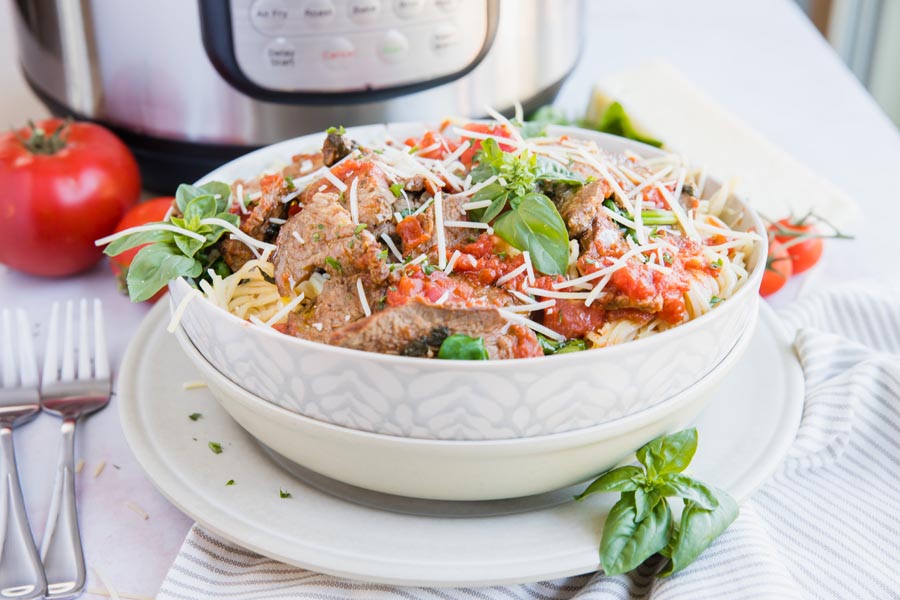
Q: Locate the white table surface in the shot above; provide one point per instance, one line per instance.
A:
(762, 60)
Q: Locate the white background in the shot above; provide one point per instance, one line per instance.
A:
(762, 60)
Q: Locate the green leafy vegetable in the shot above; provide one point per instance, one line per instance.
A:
(462, 347)
(536, 226)
(641, 524)
(334, 264)
(616, 121)
(216, 447)
(181, 253)
(553, 347)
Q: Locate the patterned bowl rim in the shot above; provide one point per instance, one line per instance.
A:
(750, 286)
(615, 426)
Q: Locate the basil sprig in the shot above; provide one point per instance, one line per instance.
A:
(641, 523)
(553, 347)
(533, 223)
(170, 254)
(462, 347)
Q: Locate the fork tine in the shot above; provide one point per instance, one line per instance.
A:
(27, 366)
(84, 350)
(101, 360)
(8, 358)
(51, 356)
(68, 348)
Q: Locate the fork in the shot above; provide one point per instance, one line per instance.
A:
(21, 574)
(70, 391)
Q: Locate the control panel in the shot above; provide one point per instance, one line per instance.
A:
(334, 46)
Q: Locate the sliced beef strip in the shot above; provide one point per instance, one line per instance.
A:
(336, 147)
(330, 241)
(396, 329)
(453, 236)
(337, 305)
(257, 224)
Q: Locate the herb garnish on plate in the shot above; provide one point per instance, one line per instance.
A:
(641, 523)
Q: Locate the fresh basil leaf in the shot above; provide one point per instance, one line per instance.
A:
(617, 122)
(189, 246)
(668, 453)
(536, 226)
(200, 207)
(462, 347)
(625, 543)
(481, 173)
(154, 266)
(682, 486)
(550, 115)
(216, 232)
(644, 502)
(221, 192)
(536, 125)
(552, 347)
(185, 193)
(697, 530)
(621, 479)
(137, 239)
(550, 170)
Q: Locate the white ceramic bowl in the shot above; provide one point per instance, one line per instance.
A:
(458, 470)
(463, 400)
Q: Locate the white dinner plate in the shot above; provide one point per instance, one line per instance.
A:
(744, 432)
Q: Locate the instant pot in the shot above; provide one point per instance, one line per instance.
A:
(190, 84)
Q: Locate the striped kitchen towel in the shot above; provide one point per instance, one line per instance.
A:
(824, 526)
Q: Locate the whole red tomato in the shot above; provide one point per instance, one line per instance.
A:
(805, 252)
(63, 185)
(145, 212)
(778, 269)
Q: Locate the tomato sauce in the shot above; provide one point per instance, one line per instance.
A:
(482, 263)
(570, 318)
(411, 233)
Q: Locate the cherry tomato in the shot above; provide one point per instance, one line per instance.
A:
(145, 212)
(63, 186)
(488, 128)
(804, 254)
(778, 269)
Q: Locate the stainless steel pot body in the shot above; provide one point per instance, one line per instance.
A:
(142, 66)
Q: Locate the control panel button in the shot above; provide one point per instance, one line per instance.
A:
(337, 53)
(407, 9)
(393, 47)
(280, 54)
(317, 12)
(445, 38)
(447, 5)
(364, 11)
(269, 16)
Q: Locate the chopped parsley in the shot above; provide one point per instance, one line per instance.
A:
(714, 300)
(359, 228)
(283, 494)
(334, 264)
(414, 149)
(317, 236)
(383, 255)
(667, 258)
(194, 416)
(289, 182)
(229, 482)
(338, 130)
(216, 447)
(716, 264)
(429, 269)
(397, 189)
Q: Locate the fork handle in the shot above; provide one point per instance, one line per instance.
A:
(21, 574)
(61, 550)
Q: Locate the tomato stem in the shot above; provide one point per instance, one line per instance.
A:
(38, 142)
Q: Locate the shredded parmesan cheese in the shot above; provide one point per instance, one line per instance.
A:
(99, 469)
(193, 385)
(391, 246)
(512, 274)
(331, 177)
(516, 318)
(452, 262)
(363, 301)
(439, 228)
(137, 510)
(354, 206)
